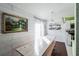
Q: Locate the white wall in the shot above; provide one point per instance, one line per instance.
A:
(12, 40)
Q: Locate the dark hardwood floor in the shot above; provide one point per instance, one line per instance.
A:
(59, 49)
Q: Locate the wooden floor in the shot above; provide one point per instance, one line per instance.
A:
(58, 50)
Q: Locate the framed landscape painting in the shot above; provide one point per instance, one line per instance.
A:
(12, 23)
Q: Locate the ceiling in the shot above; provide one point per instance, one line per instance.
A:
(44, 10)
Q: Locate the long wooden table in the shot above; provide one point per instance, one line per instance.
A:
(49, 50)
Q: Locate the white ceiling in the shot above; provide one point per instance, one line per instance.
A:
(43, 10)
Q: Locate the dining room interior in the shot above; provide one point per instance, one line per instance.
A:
(37, 29)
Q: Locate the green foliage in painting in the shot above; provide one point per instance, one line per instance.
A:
(14, 23)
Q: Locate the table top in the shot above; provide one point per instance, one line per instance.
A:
(35, 49)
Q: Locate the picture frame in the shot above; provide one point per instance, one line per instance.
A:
(12, 23)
